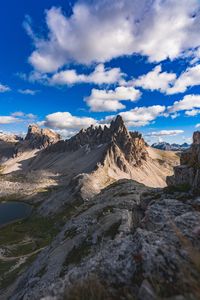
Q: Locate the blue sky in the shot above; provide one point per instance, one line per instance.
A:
(67, 64)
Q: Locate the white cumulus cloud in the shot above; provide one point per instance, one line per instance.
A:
(165, 133)
(8, 120)
(193, 112)
(99, 76)
(23, 115)
(189, 78)
(28, 92)
(109, 100)
(155, 80)
(65, 120)
(4, 88)
(98, 31)
(188, 103)
(140, 116)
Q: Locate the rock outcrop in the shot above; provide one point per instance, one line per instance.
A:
(41, 138)
(188, 173)
(37, 138)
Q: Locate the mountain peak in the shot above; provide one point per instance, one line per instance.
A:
(117, 136)
(41, 138)
(37, 138)
(33, 129)
(117, 124)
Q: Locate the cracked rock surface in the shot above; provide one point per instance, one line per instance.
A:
(128, 237)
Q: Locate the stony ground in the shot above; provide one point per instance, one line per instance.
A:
(128, 242)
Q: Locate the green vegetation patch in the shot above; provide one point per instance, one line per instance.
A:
(8, 276)
(23, 249)
(6, 265)
(27, 237)
(11, 197)
(39, 229)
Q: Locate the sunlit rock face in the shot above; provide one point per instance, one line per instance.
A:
(36, 138)
(188, 173)
(41, 138)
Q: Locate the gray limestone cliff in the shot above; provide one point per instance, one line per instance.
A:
(188, 172)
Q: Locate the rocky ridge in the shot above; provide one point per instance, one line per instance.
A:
(132, 241)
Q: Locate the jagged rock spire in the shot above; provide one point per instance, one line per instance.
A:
(196, 137)
(118, 124)
(33, 129)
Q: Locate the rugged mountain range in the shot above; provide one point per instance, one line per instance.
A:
(92, 159)
(130, 143)
(104, 224)
(116, 137)
(170, 147)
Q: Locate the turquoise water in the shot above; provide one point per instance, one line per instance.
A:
(13, 211)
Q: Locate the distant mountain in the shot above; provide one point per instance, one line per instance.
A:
(170, 147)
(8, 142)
